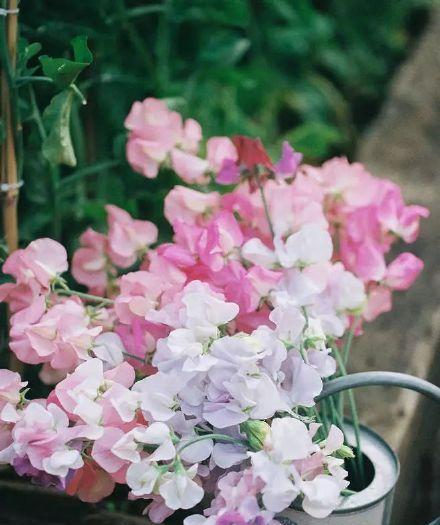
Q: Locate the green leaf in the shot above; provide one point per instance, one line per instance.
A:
(81, 52)
(225, 48)
(25, 53)
(57, 148)
(64, 71)
(315, 139)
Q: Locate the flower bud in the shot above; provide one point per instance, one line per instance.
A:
(256, 432)
(345, 452)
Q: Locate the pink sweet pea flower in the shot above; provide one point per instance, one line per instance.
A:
(40, 262)
(191, 137)
(61, 336)
(368, 261)
(219, 149)
(190, 206)
(127, 237)
(19, 296)
(154, 131)
(153, 121)
(229, 173)
(220, 240)
(144, 157)
(140, 292)
(403, 271)
(379, 302)
(90, 265)
(350, 182)
(397, 218)
(288, 164)
(10, 386)
(190, 168)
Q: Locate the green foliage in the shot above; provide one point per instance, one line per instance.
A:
(312, 71)
(57, 146)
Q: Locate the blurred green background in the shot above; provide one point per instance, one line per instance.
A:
(314, 72)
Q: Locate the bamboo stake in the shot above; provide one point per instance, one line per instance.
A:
(8, 156)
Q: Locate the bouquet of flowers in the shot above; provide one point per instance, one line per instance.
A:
(188, 370)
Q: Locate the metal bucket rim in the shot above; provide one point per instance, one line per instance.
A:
(354, 510)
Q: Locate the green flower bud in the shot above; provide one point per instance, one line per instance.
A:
(256, 432)
(345, 452)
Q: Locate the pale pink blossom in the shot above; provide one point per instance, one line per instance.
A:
(90, 264)
(127, 237)
(189, 167)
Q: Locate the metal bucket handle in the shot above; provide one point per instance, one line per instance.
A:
(381, 379)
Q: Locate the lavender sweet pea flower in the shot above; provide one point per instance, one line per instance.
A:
(288, 164)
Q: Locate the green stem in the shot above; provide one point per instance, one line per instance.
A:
(349, 341)
(86, 172)
(86, 296)
(53, 170)
(354, 416)
(132, 356)
(22, 81)
(265, 206)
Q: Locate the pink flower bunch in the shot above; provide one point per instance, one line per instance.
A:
(367, 215)
(191, 368)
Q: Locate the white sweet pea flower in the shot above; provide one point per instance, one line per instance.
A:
(312, 244)
(301, 383)
(279, 490)
(158, 394)
(142, 477)
(61, 461)
(288, 319)
(289, 439)
(183, 350)
(347, 291)
(127, 448)
(321, 495)
(109, 348)
(257, 395)
(204, 313)
(157, 434)
(255, 251)
(179, 490)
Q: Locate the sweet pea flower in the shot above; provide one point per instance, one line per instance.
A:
(395, 217)
(219, 149)
(154, 131)
(189, 206)
(41, 434)
(179, 490)
(403, 271)
(191, 136)
(10, 386)
(288, 164)
(127, 237)
(90, 264)
(40, 262)
(139, 293)
(190, 168)
(62, 336)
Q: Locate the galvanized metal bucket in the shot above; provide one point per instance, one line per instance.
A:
(370, 506)
(373, 504)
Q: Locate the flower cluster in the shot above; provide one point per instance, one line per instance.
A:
(190, 368)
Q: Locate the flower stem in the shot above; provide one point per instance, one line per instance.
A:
(265, 206)
(132, 356)
(86, 296)
(354, 416)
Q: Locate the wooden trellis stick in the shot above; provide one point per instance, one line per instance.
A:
(9, 178)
